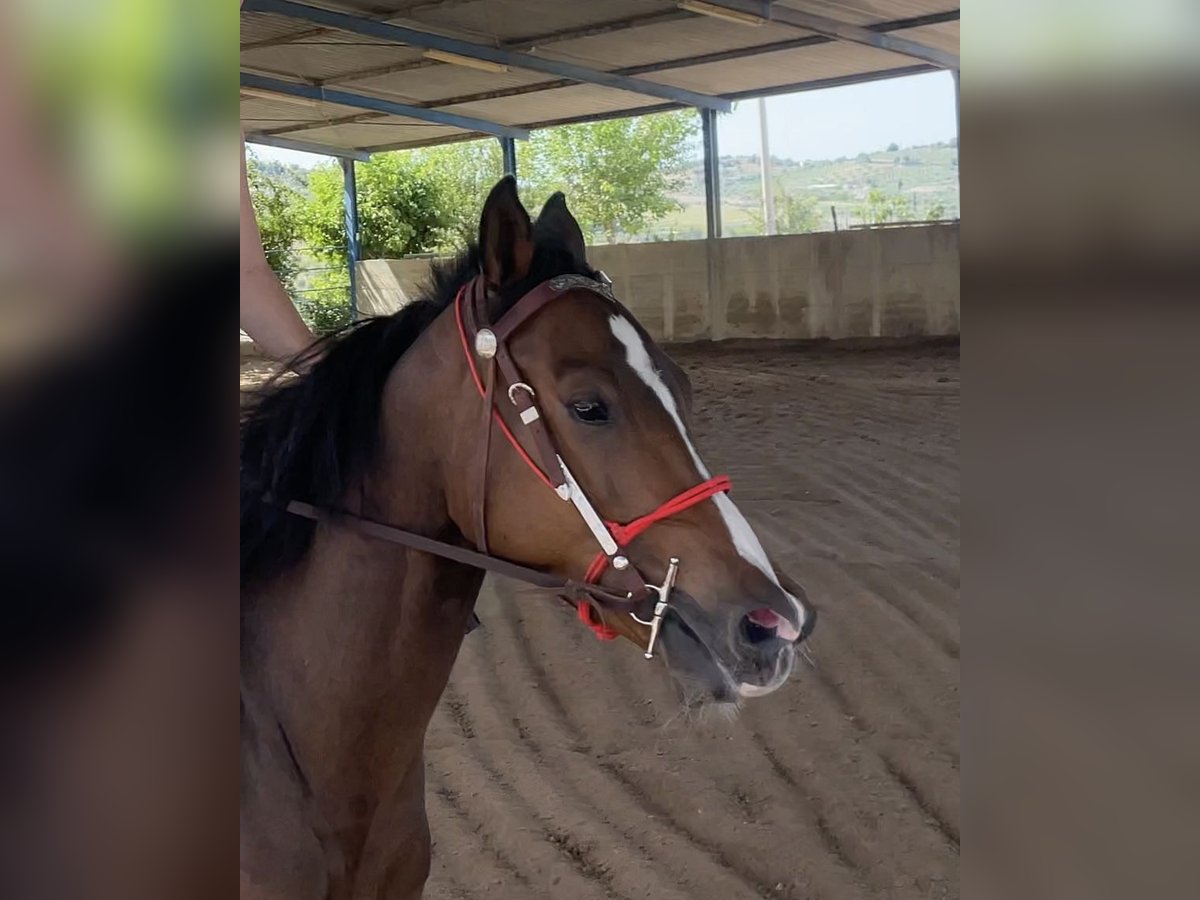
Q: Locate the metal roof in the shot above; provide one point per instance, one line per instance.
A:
(369, 83)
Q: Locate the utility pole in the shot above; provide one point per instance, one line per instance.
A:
(768, 189)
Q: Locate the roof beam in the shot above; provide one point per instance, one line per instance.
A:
(528, 42)
(415, 38)
(794, 88)
(844, 31)
(361, 101)
(268, 140)
(307, 33)
(810, 40)
(324, 123)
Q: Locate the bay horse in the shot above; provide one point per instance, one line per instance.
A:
(515, 419)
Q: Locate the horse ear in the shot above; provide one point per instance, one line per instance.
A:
(555, 222)
(505, 235)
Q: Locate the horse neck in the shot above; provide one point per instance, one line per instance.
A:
(354, 646)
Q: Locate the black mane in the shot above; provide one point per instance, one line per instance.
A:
(310, 438)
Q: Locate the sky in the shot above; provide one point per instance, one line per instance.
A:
(821, 124)
(846, 121)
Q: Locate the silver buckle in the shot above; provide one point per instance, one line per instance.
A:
(660, 606)
(519, 386)
(530, 414)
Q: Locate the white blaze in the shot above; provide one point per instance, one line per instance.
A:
(745, 541)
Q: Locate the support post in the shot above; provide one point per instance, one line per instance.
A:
(508, 149)
(712, 172)
(768, 183)
(714, 304)
(350, 203)
(957, 113)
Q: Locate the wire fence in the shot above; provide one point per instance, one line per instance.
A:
(317, 278)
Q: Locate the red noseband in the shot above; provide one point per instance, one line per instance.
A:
(627, 532)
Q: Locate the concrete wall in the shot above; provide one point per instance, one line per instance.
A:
(884, 282)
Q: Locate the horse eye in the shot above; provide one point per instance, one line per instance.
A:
(591, 412)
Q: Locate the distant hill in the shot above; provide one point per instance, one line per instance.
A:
(925, 175)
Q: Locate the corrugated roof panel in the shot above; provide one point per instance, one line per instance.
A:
(867, 12)
(782, 67)
(282, 112)
(374, 133)
(440, 81)
(508, 19)
(257, 27)
(668, 40)
(560, 103)
(328, 56)
(942, 37)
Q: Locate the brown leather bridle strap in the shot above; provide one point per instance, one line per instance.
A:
(565, 587)
(538, 447)
(512, 384)
(522, 398)
(533, 302)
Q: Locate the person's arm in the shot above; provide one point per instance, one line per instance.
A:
(267, 313)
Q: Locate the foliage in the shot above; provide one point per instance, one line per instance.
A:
(617, 174)
(464, 174)
(881, 207)
(400, 209)
(324, 303)
(293, 174)
(276, 207)
(794, 213)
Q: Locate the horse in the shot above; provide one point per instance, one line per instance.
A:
(515, 418)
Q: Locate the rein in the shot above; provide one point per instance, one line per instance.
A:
(415, 541)
(485, 348)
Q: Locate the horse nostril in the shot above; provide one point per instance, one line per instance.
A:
(760, 625)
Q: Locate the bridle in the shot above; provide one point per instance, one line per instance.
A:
(495, 374)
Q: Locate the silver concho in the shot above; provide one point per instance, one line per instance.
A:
(565, 282)
(485, 343)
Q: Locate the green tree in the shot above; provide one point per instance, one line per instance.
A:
(794, 213)
(401, 210)
(324, 302)
(276, 207)
(881, 207)
(617, 174)
(464, 174)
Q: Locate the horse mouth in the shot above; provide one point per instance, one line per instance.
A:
(784, 662)
(709, 671)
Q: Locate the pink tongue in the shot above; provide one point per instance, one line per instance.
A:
(768, 618)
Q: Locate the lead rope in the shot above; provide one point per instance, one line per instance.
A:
(622, 534)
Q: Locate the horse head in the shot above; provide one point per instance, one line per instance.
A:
(617, 412)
